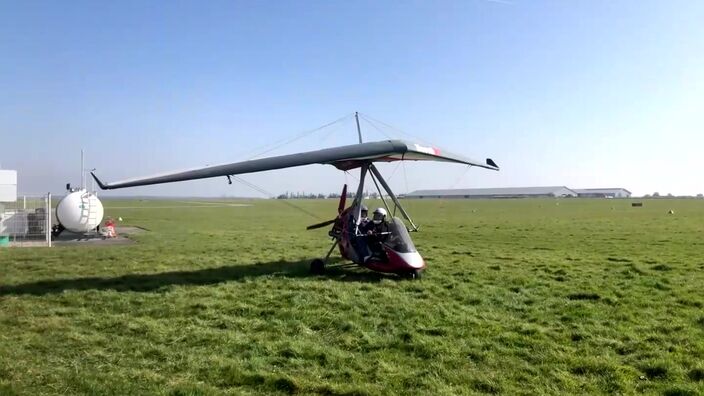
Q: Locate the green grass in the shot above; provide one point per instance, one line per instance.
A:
(521, 297)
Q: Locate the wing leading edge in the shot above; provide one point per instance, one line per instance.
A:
(342, 157)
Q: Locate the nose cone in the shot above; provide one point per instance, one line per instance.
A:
(411, 260)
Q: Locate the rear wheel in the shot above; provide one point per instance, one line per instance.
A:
(317, 267)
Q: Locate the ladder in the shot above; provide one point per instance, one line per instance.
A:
(88, 216)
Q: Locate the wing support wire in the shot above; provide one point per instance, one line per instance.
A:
(376, 173)
(286, 141)
(271, 196)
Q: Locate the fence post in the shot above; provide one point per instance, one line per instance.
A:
(48, 219)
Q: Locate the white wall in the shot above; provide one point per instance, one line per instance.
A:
(8, 185)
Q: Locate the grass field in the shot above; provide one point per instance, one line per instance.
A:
(521, 297)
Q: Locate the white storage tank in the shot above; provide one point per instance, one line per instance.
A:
(80, 211)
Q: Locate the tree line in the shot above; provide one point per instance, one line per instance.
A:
(303, 195)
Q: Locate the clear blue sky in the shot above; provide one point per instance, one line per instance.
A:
(576, 93)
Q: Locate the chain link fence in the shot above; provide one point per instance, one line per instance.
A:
(26, 222)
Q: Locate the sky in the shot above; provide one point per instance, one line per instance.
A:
(584, 94)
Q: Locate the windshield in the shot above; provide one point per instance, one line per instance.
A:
(399, 240)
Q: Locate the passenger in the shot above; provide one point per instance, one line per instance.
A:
(377, 232)
(364, 217)
(359, 242)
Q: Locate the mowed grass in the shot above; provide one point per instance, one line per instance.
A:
(521, 297)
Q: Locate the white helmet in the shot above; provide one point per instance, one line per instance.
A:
(379, 215)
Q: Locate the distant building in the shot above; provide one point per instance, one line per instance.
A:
(603, 193)
(509, 192)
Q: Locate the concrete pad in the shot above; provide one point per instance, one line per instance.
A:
(68, 238)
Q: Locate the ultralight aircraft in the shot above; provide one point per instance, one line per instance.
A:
(398, 253)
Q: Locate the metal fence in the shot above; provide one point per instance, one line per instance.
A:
(26, 222)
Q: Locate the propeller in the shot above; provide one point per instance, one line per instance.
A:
(340, 208)
(323, 224)
(343, 199)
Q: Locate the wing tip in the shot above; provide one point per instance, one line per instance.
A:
(102, 185)
(491, 163)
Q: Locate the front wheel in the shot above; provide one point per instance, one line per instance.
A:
(317, 267)
(413, 275)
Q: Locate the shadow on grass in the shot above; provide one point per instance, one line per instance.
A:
(198, 277)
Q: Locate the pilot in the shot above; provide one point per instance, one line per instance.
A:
(378, 223)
